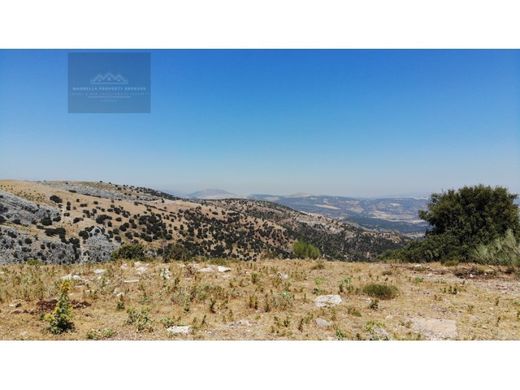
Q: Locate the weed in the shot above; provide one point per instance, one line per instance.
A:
(340, 335)
(381, 291)
(139, 318)
(345, 286)
(60, 320)
(100, 334)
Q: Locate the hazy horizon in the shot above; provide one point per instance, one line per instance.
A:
(360, 123)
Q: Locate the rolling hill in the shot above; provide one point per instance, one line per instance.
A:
(68, 221)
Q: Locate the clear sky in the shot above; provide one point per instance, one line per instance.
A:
(353, 122)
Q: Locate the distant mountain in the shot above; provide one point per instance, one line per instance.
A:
(213, 193)
(384, 214)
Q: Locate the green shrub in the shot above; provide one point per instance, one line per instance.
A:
(129, 252)
(478, 223)
(140, 319)
(381, 291)
(177, 251)
(100, 334)
(504, 250)
(304, 250)
(60, 320)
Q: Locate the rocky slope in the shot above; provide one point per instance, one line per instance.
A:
(66, 222)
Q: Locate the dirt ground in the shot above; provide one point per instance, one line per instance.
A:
(264, 300)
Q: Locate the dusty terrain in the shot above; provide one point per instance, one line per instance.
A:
(271, 299)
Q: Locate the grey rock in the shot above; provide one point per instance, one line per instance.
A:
(46, 250)
(327, 300)
(13, 208)
(321, 323)
(179, 329)
(435, 328)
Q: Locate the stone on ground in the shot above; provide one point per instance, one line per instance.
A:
(321, 323)
(435, 328)
(179, 329)
(327, 300)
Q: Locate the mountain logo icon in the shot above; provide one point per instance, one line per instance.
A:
(108, 79)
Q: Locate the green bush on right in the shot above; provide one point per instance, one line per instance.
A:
(475, 223)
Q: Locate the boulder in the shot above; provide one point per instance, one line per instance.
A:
(179, 329)
(321, 323)
(435, 328)
(327, 300)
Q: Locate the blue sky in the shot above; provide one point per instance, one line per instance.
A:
(352, 122)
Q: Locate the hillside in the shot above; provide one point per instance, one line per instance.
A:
(66, 222)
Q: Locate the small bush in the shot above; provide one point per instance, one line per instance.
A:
(304, 250)
(503, 250)
(129, 252)
(100, 334)
(140, 319)
(60, 320)
(381, 291)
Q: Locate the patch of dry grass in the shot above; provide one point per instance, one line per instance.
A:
(271, 299)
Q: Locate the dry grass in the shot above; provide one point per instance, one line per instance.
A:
(260, 300)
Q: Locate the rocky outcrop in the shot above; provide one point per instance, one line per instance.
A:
(16, 246)
(21, 211)
(97, 247)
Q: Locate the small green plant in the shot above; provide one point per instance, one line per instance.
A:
(100, 334)
(167, 322)
(381, 291)
(345, 286)
(340, 335)
(60, 320)
(353, 312)
(140, 319)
